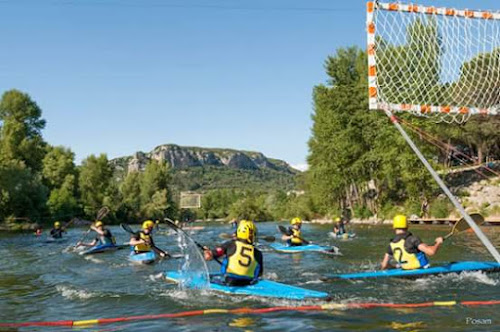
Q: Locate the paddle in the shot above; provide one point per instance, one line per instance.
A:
(103, 212)
(284, 231)
(263, 237)
(157, 250)
(462, 225)
(177, 229)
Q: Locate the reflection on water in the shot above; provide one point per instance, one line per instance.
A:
(41, 281)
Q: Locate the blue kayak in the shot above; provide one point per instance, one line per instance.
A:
(457, 267)
(304, 248)
(263, 288)
(143, 258)
(102, 248)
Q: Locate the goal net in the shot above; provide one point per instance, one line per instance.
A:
(434, 61)
(190, 200)
(430, 60)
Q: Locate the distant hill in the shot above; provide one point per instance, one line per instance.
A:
(202, 169)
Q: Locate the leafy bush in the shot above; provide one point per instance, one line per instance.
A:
(361, 211)
(440, 208)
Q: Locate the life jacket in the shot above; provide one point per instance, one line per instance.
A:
(296, 238)
(56, 233)
(107, 240)
(143, 246)
(406, 260)
(341, 228)
(242, 264)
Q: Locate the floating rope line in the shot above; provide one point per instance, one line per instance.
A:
(252, 311)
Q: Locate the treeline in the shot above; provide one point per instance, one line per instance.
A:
(357, 158)
(255, 205)
(41, 183)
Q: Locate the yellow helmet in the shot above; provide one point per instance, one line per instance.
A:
(337, 219)
(399, 221)
(98, 223)
(57, 224)
(148, 224)
(246, 231)
(296, 221)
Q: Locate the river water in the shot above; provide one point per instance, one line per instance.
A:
(49, 281)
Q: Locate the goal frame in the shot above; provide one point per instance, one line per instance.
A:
(375, 104)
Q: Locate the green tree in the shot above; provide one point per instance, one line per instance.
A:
(58, 163)
(130, 190)
(351, 145)
(20, 131)
(96, 176)
(155, 196)
(250, 208)
(62, 201)
(21, 192)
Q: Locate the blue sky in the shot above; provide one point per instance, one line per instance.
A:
(123, 76)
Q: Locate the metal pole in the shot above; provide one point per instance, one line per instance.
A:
(493, 251)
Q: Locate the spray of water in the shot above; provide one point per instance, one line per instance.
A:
(193, 269)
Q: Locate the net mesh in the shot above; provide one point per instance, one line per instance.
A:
(428, 60)
(190, 200)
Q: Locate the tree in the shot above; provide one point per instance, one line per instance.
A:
(95, 182)
(250, 208)
(130, 190)
(62, 201)
(20, 131)
(21, 192)
(155, 196)
(58, 163)
(351, 145)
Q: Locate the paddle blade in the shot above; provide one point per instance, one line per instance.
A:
(267, 238)
(103, 212)
(127, 228)
(283, 229)
(463, 225)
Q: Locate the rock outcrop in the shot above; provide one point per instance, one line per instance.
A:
(179, 157)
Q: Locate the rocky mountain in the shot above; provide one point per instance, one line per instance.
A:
(196, 168)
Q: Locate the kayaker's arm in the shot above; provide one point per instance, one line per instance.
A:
(91, 244)
(385, 262)
(97, 230)
(260, 261)
(224, 249)
(431, 250)
(134, 241)
(159, 251)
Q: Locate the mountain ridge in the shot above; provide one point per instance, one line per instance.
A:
(201, 168)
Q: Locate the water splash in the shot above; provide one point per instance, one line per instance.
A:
(74, 294)
(193, 270)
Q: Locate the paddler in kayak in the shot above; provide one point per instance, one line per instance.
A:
(104, 236)
(406, 249)
(57, 231)
(143, 240)
(339, 228)
(293, 235)
(243, 263)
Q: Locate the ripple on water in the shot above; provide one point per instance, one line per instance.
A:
(50, 282)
